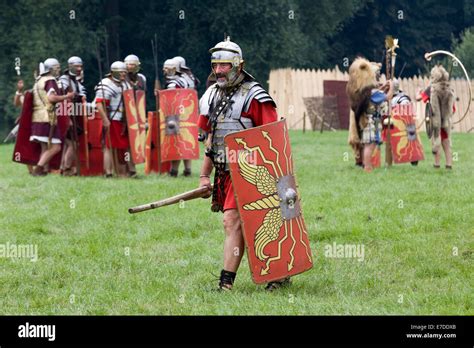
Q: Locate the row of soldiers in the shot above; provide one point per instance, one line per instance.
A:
(52, 89)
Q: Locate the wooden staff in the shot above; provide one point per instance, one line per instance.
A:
(185, 196)
(154, 47)
(86, 132)
(390, 44)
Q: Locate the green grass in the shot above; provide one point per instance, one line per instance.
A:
(409, 220)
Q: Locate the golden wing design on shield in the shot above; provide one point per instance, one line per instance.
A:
(260, 177)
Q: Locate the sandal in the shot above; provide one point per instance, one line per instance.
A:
(271, 286)
(226, 280)
(173, 173)
(39, 171)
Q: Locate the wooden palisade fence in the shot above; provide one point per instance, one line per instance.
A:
(288, 87)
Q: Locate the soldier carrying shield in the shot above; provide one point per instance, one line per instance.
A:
(135, 110)
(252, 106)
(178, 75)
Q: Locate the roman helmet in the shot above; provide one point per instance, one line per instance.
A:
(72, 63)
(133, 63)
(227, 52)
(50, 65)
(182, 63)
(170, 67)
(116, 68)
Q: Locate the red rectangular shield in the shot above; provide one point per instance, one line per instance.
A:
(152, 148)
(405, 140)
(375, 159)
(90, 147)
(179, 131)
(134, 102)
(268, 201)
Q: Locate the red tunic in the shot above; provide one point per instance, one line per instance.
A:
(260, 114)
(118, 131)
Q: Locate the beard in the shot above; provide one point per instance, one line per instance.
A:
(222, 80)
(227, 80)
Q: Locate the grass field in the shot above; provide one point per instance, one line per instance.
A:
(416, 225)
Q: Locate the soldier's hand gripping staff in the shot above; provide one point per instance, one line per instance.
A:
(44, 129)
(109, 103)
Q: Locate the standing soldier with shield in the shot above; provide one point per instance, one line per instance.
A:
(135, 110)
(177, 76)
(70, 82)
(236, 102)
(109, 103)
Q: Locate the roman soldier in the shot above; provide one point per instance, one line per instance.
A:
(134, 78)
(178, 75)
(369, 103)
(137, 82)
(174, 76)
(109, 103)
(70, 82)
(18, 102)
(440, 97)
(251, 106)
(399, 97)
(186, 71)
(44, 127)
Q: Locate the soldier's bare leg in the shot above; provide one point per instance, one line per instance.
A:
(174, 168)
(368, 150)
(108, 162)
(132, 170)
(187, 167)
(48, 154)
(234, 240)
(437, 159)
(68, 156)
(447, 152)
